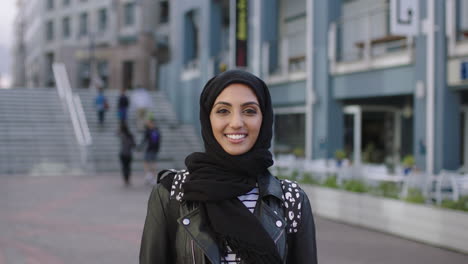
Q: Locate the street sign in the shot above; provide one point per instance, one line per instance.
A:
(404, 17)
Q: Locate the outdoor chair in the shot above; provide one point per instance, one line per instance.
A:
(285, 165)
(452, 185)
(374, 174)
(318, 168)
(427, 184)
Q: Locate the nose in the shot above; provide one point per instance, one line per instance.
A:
(236, 121)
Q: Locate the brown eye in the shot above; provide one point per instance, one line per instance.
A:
(222, 111)
(250, 111)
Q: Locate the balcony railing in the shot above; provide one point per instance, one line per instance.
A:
(364, 39)
(290, 57)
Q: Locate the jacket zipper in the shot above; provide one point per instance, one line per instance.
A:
(193, 253)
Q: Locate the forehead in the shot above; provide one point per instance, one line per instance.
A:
(237, 92)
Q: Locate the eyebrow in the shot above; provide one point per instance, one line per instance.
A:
(244, 104)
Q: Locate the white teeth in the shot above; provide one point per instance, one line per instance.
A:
(239, 136)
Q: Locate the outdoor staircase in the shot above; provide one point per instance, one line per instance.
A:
(178, 140)
(36, 136)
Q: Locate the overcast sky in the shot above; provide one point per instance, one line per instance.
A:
(7, 14)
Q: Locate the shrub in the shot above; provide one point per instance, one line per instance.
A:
(355, 185)
(294, 175)
(330, 182)
(340, 154)
(415, 196)
(461, 204)
(408, 161)
(308, 178)
(387, 189)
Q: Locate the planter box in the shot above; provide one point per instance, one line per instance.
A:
(428, 224)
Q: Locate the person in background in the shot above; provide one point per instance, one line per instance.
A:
(127, 143)
(152, 139)
(226, 207)
(101, 106)
(141, 103)
(122, 106)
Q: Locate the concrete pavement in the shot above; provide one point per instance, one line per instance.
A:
(94, 219)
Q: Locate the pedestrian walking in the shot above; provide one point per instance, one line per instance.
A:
(152, 139)
(141, 103)
(226, 207)
(122, 106)
(101, 106)
(127, 143)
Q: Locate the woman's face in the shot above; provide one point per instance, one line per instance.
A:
(236, 119)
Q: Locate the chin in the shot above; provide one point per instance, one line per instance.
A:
(236, 152)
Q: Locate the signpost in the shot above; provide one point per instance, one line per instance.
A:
(404, 17)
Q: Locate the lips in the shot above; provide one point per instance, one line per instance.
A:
(236, 138)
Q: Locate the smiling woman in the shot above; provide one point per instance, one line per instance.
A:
(228, 208)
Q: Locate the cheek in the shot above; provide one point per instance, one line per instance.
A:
(216, 125)
(256, 125)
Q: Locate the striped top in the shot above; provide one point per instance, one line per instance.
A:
(249, 200)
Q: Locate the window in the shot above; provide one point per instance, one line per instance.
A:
(462, 14)
(66, 27)
(129, 14)
(163, 11)
(84, 70)
(290, 134)
(103, 71)
(83, 24)
(50, 30)
(50, 4)
(50, 81)
(191, 30)
(292, 37)
(102, 20)
(365, 21)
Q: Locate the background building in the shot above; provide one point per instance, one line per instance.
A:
(109, 41)
(339, 77)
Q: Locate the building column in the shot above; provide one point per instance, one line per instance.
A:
(328, 117)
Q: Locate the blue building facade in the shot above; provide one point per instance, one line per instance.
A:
(338, 76)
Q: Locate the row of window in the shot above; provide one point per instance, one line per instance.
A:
(65, 3)
(83, 25)
(129, 20)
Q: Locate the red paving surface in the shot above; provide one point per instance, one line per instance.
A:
(94, 219)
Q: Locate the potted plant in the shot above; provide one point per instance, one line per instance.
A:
(408, 164)
(340, 155)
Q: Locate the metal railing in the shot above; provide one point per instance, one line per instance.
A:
(72, 103)
(363, 36)
(291, 57)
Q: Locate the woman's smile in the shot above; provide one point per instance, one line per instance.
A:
(236, 138)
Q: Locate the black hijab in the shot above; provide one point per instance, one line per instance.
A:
(218, 178)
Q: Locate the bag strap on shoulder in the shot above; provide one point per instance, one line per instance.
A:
(292, 197)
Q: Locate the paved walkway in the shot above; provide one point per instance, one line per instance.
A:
(94, 219)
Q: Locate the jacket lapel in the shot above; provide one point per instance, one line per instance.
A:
(191, 222)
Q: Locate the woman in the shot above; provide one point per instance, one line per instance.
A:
(227, 208)
(127, 143)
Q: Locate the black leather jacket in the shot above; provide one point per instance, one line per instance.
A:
(174, 234)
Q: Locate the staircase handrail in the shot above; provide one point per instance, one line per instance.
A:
(73, 103)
